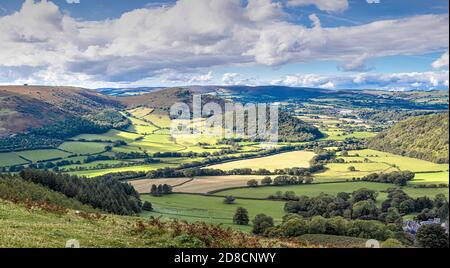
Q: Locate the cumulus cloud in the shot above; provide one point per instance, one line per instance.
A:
(442, 61)
(357, 65)
(324, 5)
(395, 81)
(194, 36)
(73, 1)
(373, 1)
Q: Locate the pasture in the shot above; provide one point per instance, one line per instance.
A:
(279, 161)
(312, 190)
(83, 148)
(43, 155)
(138, 168)
(431, 178)
(197, 208)
(11, 159)
(400, 162)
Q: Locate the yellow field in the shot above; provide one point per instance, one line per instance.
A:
(284, 160)
(401, 162)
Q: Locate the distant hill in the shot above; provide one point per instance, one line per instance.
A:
(26, 107)
(424, 137)
(161, 100)
(290, 128)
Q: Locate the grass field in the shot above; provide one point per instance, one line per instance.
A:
(139, 168)
(83, 147)
(379, 162)
(402, 162)
(160, 120)
(339, 135)
(10, 159)
(431, 178)
(42, 155)
(112, 135)
(195, 208)
(279, 161)
(336, 172)
(329, 188)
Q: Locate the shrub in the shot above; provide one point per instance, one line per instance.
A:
(392, 243)
(147, 206)
(262, 223)
(229, 200)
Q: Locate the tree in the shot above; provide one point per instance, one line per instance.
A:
(154, 190)
(423, 203)
(318, 225)
(261, 223)
(364, 209)
(407, 206)
(392, 243)
(166, 189)
(266, 181)
(432, 236)
(241, 216)
(351, 169)
(393, 216)
(252, 183)
(147, 206)
(229, 200)
(364, 194)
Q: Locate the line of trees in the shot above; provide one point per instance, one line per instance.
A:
(109, 195)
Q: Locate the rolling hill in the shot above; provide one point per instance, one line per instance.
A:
(26, 107)
(423, 137)
(290, 128)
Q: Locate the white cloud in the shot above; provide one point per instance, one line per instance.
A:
(406, 81)
(324, 5)
(201, 79)
(373, 1)
(193, 36)
(73, 1)
(357, 65)
(442, 61)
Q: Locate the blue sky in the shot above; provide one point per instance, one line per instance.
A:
(391, 44)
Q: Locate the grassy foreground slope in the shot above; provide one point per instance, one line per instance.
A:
(37, 228)
(424, 137)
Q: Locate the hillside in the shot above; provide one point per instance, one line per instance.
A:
(161, 100)
(290, 128)
(424, 137)
(25, 107)
(34, 227)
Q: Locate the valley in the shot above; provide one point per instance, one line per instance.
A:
(133, 144)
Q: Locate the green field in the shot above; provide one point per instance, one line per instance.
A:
(160, 120)
(431, 178)
(341, 171)
(112, 135)
(329, 188)
(340, 136)
(372, 161)
(279, 161)
(195, 208)
(401, 162)
(139, 168)
(10, 159)
(42, 155)
(83, 147)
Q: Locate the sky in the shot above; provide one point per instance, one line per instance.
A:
(338, 44)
